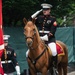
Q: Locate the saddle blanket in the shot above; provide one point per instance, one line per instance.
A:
(60, 50)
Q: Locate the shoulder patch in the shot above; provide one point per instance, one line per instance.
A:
(55, 23)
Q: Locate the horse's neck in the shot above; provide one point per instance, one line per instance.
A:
(38, 46)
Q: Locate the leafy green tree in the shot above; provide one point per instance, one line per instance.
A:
(15, 10)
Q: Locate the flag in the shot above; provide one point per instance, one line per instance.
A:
(1, 39)
(1, 32)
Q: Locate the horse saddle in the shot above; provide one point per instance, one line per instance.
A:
(60, 50)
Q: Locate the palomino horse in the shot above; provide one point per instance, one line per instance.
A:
(39, 56)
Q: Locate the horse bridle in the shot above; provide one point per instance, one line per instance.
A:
(32, 39)
(32, 35)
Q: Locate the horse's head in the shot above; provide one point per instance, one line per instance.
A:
(29, 31)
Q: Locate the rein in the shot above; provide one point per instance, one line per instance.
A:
(29, 37)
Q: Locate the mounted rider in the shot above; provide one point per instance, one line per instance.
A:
(47, 26)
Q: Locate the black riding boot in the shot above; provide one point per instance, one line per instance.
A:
(54, 58)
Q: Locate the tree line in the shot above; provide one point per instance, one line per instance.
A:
(15, 10)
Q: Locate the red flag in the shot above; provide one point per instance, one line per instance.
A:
(1, 32)
(1, 39)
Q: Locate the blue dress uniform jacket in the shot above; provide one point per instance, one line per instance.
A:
(48, 24)
(9, 63)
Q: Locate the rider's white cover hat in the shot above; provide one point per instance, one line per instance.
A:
(45, 5)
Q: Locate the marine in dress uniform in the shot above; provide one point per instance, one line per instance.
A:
(8, 60)
(47, 26)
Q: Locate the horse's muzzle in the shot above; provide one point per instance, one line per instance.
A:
(29, 43)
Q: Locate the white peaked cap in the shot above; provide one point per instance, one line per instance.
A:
(5, 37)
(45, 5)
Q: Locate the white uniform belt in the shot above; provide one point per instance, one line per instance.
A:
(44, 31)
(9, 61)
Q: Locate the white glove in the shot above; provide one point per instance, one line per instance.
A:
(36, 13)
(17, 70)
(45, 37)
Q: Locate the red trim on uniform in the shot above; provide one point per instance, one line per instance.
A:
(55, 23)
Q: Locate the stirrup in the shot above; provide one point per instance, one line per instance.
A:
(55, 71)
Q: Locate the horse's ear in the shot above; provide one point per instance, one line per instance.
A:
(25, 21)
(33, 20)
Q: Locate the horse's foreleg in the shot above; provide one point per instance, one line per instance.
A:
(32, 72)
(44, 71)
